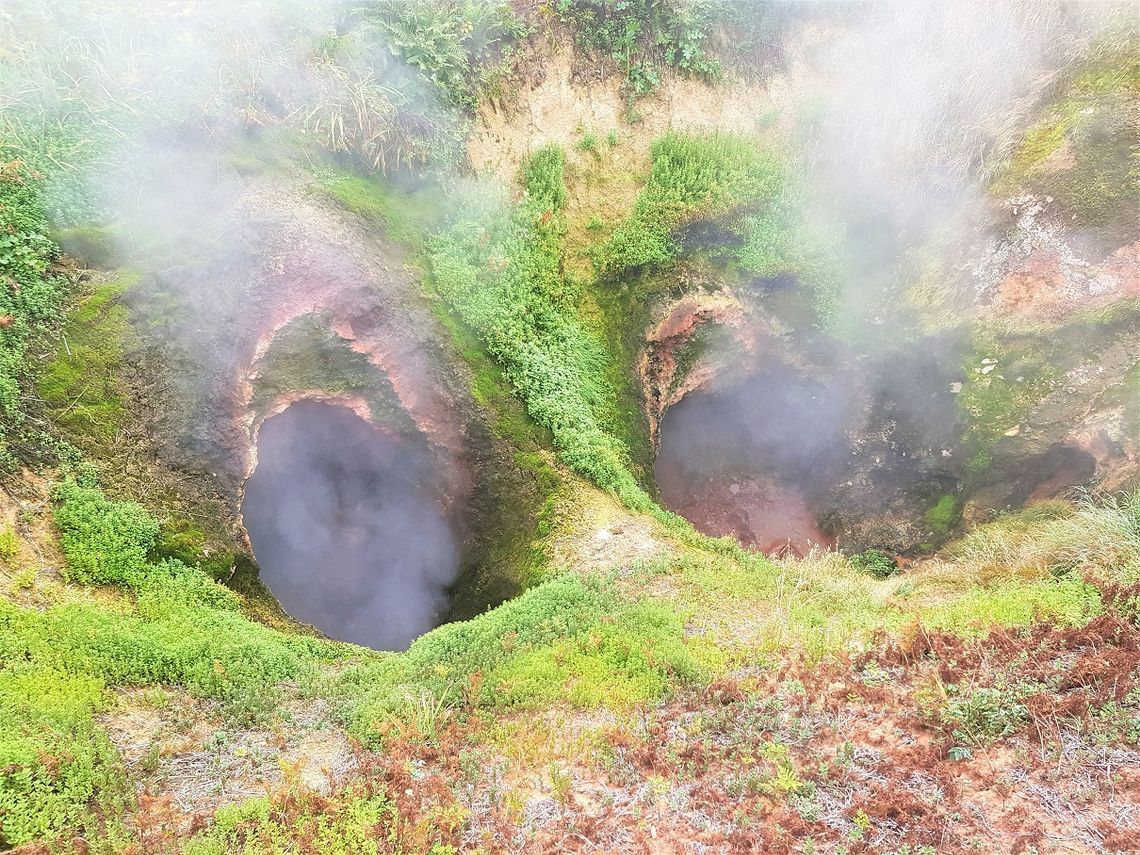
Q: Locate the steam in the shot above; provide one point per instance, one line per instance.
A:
(910, 109)
(924, 101)
(179, 125)
(347, 530)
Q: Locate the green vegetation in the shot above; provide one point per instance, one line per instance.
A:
(643, 36)
(589, 143)
(80, 385)
(876, 562)
(9, 544)
(568, 639)
(30, 296)
(571, 640)
(696, 658)
(750, 195)
(1082, 152)
(1004, 378)
(983, 714)
(943, 515)
(176, 627)
(692, 176)
(463, 48)
(259, 825)
(499, 270)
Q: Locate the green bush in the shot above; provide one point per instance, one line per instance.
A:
(105, 543)
(983, 714)
(876, 562)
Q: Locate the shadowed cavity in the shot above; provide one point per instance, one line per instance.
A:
(347, 528)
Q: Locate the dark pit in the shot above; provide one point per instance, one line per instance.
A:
(747, 460)
(347, 527)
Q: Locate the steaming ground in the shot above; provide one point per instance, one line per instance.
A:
(345, 528)
(746, 459)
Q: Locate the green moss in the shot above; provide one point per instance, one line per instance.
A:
(1004, 379)
(182, 539)
(943, 515)
(514, 495)
(95, 245)
(81, 385)
(690, 352)
(1098, 181)
(619, 316)
(405, 216)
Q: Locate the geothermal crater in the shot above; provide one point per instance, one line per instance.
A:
(747, 459)
(348, 527)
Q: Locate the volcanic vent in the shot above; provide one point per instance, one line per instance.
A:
(346, 525)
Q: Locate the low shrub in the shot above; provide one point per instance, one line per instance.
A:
(875, 562)
(984, 713)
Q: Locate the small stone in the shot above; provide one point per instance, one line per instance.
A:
(1013, 431)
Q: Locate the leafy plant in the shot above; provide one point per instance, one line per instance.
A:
(447, 41)
(985, 713)
(876, 562)
(643, 35)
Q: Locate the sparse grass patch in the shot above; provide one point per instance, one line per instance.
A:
(9, 544)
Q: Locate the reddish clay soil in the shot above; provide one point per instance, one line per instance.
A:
(759, 512)
(852, 754)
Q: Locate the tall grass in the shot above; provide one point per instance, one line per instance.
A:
(1101, 536)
